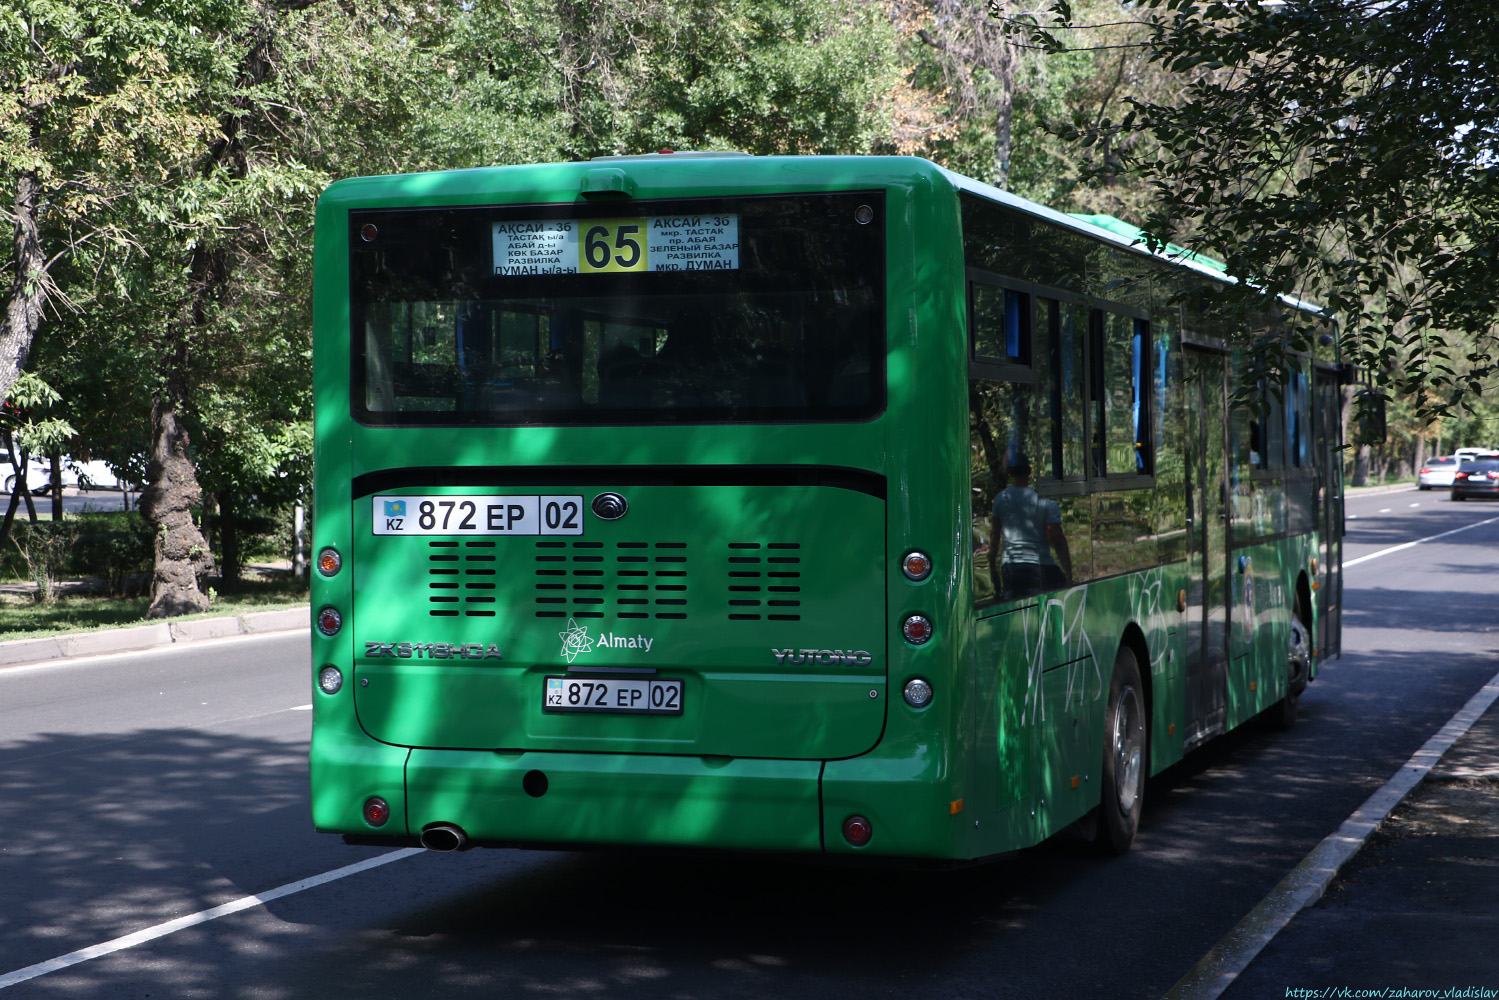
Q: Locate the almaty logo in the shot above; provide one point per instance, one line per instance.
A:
(575, 640)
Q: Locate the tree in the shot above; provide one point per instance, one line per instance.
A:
(96, 103)
(1341, 152)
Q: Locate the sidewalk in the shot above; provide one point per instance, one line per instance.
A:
(1417, 907)
(136, 637)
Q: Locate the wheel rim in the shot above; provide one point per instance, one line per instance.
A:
(1129, 749)
(1299, 655)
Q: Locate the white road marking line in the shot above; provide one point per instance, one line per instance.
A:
(300, 708)
(1385, 510)
(201, 917)
(1419, 541)
(1414, 505)
(1309, 880)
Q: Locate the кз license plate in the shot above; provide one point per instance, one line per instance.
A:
(478, 515)
(607, 694)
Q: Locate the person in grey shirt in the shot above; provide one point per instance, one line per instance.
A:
(1027, 528)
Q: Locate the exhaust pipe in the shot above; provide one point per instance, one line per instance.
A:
(444, 837)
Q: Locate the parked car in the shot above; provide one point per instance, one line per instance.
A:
(93, 475)
(1476, 479)
(1437, 472)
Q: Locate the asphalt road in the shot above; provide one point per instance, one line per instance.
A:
(73, 502)
(154, 786)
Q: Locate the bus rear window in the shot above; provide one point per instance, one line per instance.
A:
(734, 310)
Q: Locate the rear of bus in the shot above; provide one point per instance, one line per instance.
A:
(618, 468)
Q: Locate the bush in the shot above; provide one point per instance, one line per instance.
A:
(45, 549)
(114, 546)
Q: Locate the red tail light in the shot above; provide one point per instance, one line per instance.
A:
(857, 831)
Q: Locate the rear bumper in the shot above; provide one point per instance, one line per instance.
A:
(589, 799)
(583, 800)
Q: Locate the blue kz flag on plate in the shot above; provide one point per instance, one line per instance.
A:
(395, 508)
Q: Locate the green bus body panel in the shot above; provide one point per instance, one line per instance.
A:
(616, 799)
(783, 666)
(770, 753)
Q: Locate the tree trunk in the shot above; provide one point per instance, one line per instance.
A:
(56, 482)
(23, 306)
(228, 541)
(18, 460)
(182, 556)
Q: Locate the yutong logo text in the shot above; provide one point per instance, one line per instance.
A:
(851, 658)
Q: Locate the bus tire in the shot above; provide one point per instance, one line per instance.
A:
(1282, 714)
(1124, 757)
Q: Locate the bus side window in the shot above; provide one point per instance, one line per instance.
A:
(1004, 434)
(1122, 440)
(1071, 329)
(1001, 320)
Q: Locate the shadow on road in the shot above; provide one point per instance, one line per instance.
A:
(111, 834)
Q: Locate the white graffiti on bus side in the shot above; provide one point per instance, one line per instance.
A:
(1065, 616)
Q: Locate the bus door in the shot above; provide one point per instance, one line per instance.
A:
(1205, 447)
(1329, 514)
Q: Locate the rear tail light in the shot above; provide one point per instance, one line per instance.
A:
(329, 562)
(376, 811)
(329, 621)
(857, 831)
(917, 566)
(917, 629)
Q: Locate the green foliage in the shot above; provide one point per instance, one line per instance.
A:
(116, 548)
(1341, 153)
(44, 549)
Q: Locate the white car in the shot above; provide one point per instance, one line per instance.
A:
(1437, 472)
(93, 475)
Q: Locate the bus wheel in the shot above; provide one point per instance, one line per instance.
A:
(1123, 758)
(1298, 669)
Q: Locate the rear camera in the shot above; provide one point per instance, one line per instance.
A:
(368, 232)
(610, 506)
(863, 215)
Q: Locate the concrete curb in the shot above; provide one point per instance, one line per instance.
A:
(125, 640)
(1364, 491)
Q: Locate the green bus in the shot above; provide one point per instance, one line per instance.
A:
(823, 505)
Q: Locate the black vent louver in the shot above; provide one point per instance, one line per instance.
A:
(626, 580)
(764, 581)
